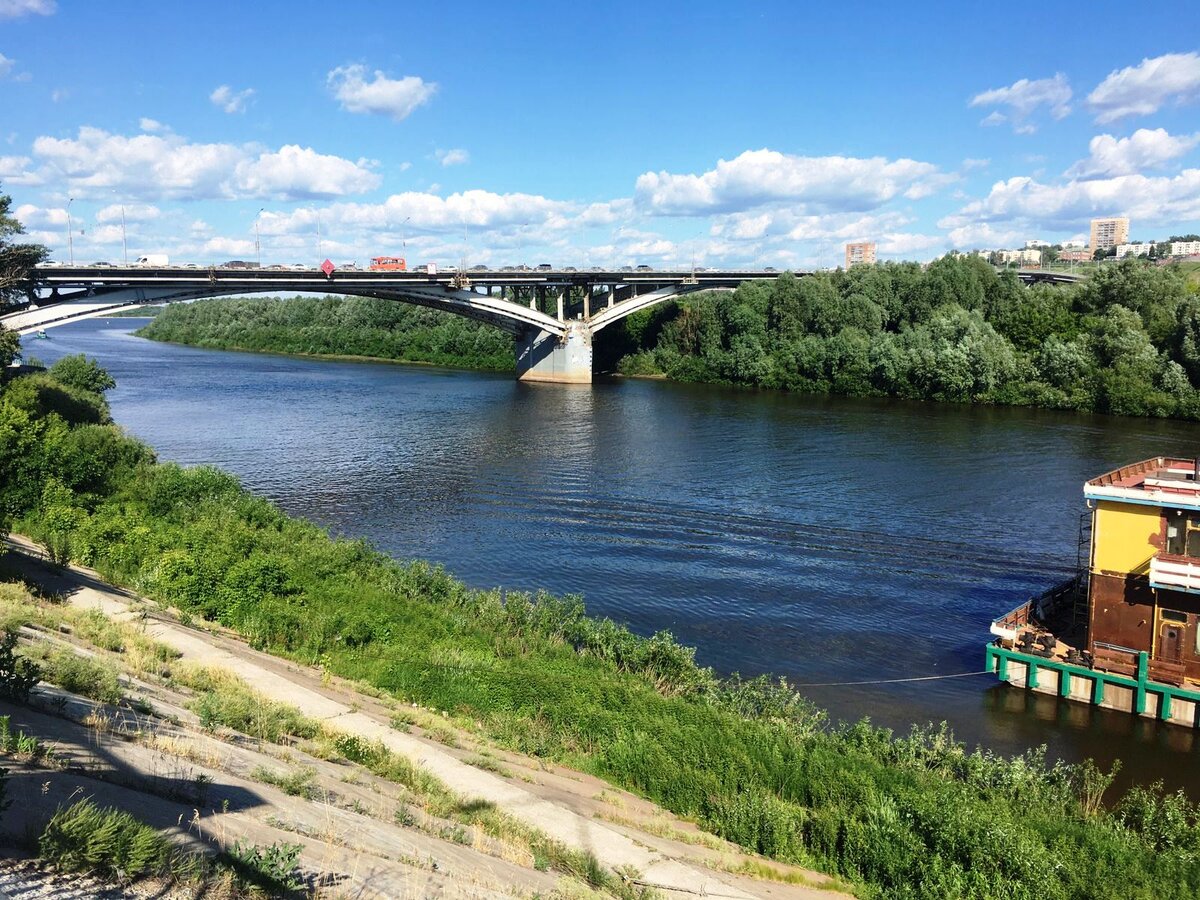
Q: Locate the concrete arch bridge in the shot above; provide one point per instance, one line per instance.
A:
(552, 315)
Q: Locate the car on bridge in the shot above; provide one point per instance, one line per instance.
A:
(545, 267)
(645, 268)
(479, 268)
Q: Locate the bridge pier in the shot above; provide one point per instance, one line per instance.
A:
(543, 356)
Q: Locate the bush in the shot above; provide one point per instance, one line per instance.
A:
(84, 837)
(18, 675)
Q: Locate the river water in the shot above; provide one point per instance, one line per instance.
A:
(825, 539)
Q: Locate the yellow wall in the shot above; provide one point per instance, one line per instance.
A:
(1122, 536)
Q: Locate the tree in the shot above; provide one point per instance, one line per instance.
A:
(16, 260)
(80, 372)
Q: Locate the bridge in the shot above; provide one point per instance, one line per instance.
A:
(553, 315)
(1050, 276)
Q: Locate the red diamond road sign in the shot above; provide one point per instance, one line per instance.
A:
(327, 267)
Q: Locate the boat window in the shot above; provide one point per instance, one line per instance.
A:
(1170, 615)
(1183, 533)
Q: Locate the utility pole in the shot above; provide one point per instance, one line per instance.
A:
(70, 228)
(257, 243)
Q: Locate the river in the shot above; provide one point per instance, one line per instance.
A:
(824, 539)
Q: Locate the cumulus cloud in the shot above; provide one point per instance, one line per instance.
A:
(1142, 89)
(760, 177)
(170, 167)
(455, 157)
(6, 65)
(1023, 99)
(15, 9)
(1161, 199)
(133, 212)
(230, 100)
(1144, 149)
(384, 96)
(151, 126)
(40, 217)
(301, 172)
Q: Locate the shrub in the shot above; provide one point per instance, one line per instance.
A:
(84, 837)
(18, 675)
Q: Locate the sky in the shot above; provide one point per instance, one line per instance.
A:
(667, 134)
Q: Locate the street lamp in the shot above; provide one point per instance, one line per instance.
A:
(70, 239)
(257, 243)
(402, 224)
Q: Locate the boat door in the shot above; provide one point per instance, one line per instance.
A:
(1170, 641)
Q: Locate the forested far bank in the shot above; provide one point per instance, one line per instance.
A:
(1127, 341)
(335, 326)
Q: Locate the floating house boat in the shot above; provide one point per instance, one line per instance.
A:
(1124, 633)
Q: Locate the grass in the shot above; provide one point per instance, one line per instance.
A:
(224, 699)
(111, 843)
(296, 782)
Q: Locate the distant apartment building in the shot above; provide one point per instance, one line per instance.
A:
(1135, 249)
(1074, 255)
(1027, 257)
(862, 253)
(1109, 233)
(1185, 248)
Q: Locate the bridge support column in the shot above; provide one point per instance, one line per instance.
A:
(542, 356)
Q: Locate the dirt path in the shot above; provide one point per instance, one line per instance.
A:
(626, 834)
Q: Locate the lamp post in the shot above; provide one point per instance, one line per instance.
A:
(257, 243)
(70, 239)
(403, 244)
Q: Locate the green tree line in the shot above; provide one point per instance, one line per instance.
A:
(915, 816)
(1126, 341)
(335, 326)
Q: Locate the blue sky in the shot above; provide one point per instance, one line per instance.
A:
(591, 134)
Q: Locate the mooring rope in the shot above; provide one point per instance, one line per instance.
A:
(886, 680)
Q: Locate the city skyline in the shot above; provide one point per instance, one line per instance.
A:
(490, 136)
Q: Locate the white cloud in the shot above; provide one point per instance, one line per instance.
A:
(151, 126)
(1160, 200)
(978, 236)
(6, 65)
(40, 217)
(1144, 88)
(230, 100)
(134, 212)
(170, 167)
(301, 172)
(396, 98)
(761, 177)
(903, 244)
(455, 157)
(16, 170)
(970, 165)
(1144, 149)
(15, 9)
(1023, 98)
(232, 247)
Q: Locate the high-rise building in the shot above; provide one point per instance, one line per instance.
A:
(860, 254)
(1109, 233)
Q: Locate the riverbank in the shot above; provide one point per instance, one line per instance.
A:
(751, 760)
(508, 826)
(1123, 343)
(347, 328)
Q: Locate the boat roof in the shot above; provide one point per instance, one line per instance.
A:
(1161, 481)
